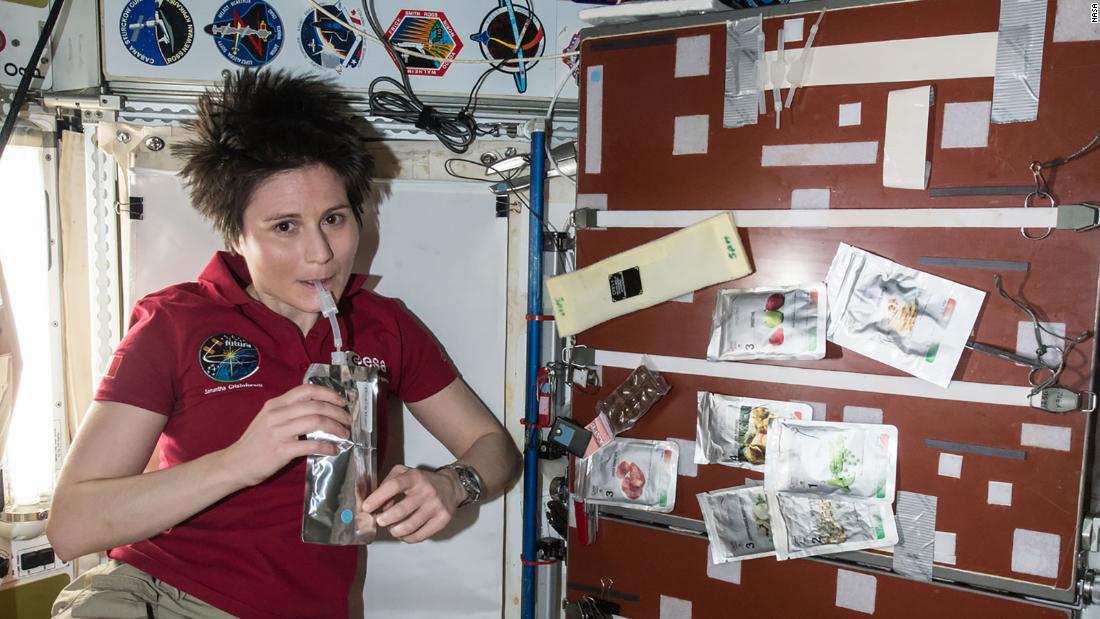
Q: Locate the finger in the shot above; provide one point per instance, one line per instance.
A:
(409, 525)
(434, 525)
(392, 486)
(313, 423)
(311, 448)
(313, 407)
(302, 393)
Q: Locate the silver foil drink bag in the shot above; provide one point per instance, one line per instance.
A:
(336, 484)
(738, 523)
(830, 486)
(914, 321)
(631, 473)
(769, 323)
(733, 430)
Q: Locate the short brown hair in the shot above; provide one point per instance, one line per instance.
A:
(259, 123)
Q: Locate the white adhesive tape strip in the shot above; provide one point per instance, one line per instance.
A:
(1035, 553)
(861, 414)
(675, 608)
(831, 153)
(729, 572)
(596, 201)
(593, 121)
(904, 60)
(945, 547)
(842, 218)
(905, 146)
(958, 391)
(950, 465)
(690, 135)
(692, 56)
(809, 198)
(856, 591)
(1000, 493)
(1046, 437)
(685, 464)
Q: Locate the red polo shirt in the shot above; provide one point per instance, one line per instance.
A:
(208, 356)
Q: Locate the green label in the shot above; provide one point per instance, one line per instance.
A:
(880, 532)
(560, 304)
(731, 252)
(932, 352)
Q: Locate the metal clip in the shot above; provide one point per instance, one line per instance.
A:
(1079, 217)
(1061, 400)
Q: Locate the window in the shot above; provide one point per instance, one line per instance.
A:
(32, 297)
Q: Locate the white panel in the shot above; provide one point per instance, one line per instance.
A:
(966, 125)
(692, 56)
(856, 591)
(945, 547)
(1035, 553)
(1077, 20)
(729, 572)
(675, 608)
(685, 465)
(861, 414)
(839, 153)
(1046, 437)
(440, 241)
(689, 136)
(851, 114)
(950, 465)
(809, 198)
(1000, 493)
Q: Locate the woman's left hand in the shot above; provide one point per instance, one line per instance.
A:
(415, 503)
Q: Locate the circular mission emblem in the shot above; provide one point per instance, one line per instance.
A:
(228, 358)
(156, 32)
(247, 32)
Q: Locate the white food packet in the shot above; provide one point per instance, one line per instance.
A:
(827, 457)
(809, 525)
(738, 524)
(769, 323)
(733, 430)
(914, 321)
(830, 486)
(631, 473)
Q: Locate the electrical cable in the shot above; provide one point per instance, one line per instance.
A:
(28, 74)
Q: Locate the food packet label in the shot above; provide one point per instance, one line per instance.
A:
(810, 525)
(733, 430)
(632, 473)
(738, 523)
(769, 323)
(908, 319)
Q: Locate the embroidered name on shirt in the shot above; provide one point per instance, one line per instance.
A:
(373, 362)
(231, 387)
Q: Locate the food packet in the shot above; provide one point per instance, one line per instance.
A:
(830, 486)
(738, 523)
(825, 457)
(916, 322)
(631, 473)
(335, 484)
(769, 323)
(624, 406)
(733, 430)
(808, 525)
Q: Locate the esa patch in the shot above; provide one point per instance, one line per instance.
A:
(228, 358)
(248, 33)
(156, 32)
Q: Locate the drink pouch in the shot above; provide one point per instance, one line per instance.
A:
(916, 322)
(806, 525)
(631, 473)
(335, 484)
(738, 523)
(769, 323)
(624, 406)
(823, 457)
(733, 430)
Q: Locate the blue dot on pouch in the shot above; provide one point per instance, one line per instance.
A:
(345, 516)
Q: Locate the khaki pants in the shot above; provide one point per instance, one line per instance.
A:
(116, 590)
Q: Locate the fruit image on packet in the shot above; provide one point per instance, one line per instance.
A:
(769, 323)
(633, 479)
(733, 430)
(633, 473)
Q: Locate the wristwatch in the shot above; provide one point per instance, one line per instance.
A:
(469, 479)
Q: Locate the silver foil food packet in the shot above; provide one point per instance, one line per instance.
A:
(830, 486)
(824, 457)
(631, 473)
(738, 523)
(733, 430)
(914, 321)
(336, 484)
(809, 525)
(769, 323)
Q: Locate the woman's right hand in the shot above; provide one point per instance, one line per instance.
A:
(271, 440)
